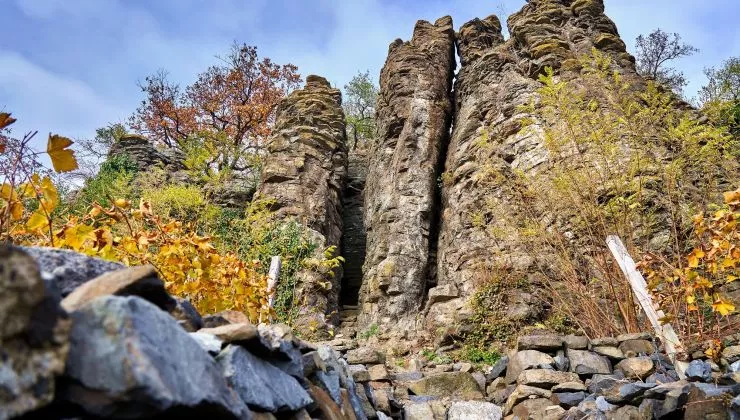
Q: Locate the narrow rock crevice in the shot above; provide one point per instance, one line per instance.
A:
(354, 237)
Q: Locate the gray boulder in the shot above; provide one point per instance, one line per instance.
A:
(129, 359)
(588, 363)
(67, 270)
(260, 384)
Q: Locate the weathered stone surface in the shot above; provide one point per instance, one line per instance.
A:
(479, 185)
(418, 411)
(540, 342)
(208, 342)
(498, 368)
(568, 399)
(577, 342)
(125, 349)
(414, 111)
(66, 269)
(636, 347)
(469, 410)
(460, 385)
(365, 356)
(304, 173)
(699, 370)
(378, 373)
(569, 387)
(259, 384)
(636, 367)
(233, 333)
(544, 378)
(588, 363)
(34, 332)
(523, 360)
(522, 393)
(611, 352)
(144, 155)
(141, 281)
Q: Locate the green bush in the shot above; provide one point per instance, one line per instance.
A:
(258, 236)
(114, 180)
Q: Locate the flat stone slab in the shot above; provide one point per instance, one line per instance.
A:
(460, 385)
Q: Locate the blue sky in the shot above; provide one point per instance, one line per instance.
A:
(70, 66)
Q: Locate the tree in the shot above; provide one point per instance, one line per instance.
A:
(360, 95)
(228, 111)
(658, 48)
(720, 98)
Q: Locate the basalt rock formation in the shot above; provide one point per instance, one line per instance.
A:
(496, 79)
(304, 174)
(414, 111)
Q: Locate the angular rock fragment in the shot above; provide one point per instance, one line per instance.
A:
(459, 385)
(141, 281)
(66, 269)
(588, 363)
(261, 385)
(527, 359)
(466, 410)
(130, 359)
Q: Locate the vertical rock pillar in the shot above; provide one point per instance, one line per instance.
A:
(304, 173)
(414, 112)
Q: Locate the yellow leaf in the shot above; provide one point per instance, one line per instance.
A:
(7, 193)
(122, 203)
(723, 307)
(49, 195)
(5, 120)
(732, 197)
(37, 221)
(62, 158)
(16, 210)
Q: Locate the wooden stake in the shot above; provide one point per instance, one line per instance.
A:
(639, 288)
(272, 278)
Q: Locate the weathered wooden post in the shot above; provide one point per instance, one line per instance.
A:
(272, 278)
(639, 288)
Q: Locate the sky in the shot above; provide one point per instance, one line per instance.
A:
(71, 66)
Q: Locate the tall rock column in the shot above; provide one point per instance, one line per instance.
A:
(489, 150)
(414, 110)
(304, 173)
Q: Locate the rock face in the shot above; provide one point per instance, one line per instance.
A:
(414, 111)
(305, 173)
(488, 146)
(34, 334)
(143, 153)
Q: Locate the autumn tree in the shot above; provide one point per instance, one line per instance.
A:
(655, 51)
(360, 95)
(225, 116)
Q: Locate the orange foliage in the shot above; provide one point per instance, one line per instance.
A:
(230, 107)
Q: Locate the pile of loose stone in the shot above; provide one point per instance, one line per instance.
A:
(84, 338)
(556, 377)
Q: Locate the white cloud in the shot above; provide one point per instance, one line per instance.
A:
(44, 101)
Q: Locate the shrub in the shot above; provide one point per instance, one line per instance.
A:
(689, 290)
(115, 179)
(622, 159)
